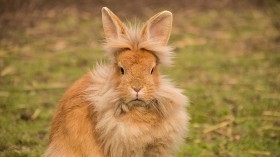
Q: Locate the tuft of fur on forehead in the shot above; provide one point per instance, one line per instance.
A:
(134, 41)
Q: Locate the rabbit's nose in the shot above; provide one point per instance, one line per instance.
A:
(136, 89)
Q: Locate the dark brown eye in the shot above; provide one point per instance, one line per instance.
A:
(152, 71)
(122, 71)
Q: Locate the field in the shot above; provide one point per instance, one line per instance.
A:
(228, 63)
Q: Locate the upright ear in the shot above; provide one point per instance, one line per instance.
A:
(158, 27)
(113, 27)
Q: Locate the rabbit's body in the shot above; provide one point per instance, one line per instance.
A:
(125, 109)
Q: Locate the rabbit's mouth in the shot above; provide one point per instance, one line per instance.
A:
(137, 99)
(136, 102)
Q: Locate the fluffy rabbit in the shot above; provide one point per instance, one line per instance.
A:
(126, 108)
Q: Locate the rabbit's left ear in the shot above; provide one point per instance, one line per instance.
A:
(113, 27)
(158, 27)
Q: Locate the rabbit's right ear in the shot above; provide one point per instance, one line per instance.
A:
(113, 27)
(158, 27)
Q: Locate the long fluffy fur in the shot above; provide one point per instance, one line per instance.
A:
(111, 136)
(134, 41)
(116, 136)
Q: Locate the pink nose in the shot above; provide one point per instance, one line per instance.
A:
(136, 89)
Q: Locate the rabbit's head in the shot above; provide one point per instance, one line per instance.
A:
(136, 53)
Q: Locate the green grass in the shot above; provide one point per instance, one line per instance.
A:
(227, 62)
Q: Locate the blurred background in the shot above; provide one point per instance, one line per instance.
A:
(228, 63)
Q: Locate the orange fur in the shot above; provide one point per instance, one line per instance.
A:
(126, 108)
(72, 132)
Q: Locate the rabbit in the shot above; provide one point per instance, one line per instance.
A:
(125, 108)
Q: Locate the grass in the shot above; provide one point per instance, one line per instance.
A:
(227, 62)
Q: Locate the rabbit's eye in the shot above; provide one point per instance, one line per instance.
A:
(122, 71)
(152, 71)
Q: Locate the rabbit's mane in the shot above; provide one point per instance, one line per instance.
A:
(105, 96)
(134, 41)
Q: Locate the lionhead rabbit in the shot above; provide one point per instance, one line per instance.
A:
(124, 109)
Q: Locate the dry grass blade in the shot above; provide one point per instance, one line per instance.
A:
(271, 113)
(218, 126)
(256, 152)
(35, 114)
(45, 87)
(7, 71)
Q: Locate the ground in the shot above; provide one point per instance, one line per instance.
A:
(227, 62)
